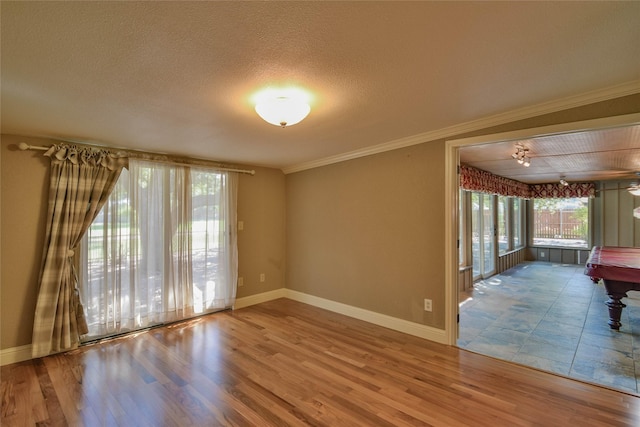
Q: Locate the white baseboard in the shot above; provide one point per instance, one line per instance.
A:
(15, 354)
(400, 325)
(19, 354)
(258, 298)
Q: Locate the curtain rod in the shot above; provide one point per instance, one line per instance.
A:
(24, 146)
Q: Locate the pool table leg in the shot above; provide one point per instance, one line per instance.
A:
(615, 309)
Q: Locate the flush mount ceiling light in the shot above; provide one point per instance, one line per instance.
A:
(282, 107)
(521, 156)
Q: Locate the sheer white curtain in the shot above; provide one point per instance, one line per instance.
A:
(162, 249)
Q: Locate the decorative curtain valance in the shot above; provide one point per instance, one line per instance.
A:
(559, 191)
(473, 179)
(88, 156)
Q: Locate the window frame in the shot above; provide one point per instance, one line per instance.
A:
(506, 214)
(513, 227)
(532, 224)
(519, 227)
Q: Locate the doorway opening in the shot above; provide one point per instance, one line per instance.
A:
(483, 235)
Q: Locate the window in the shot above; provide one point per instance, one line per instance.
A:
(504, 241)
(517, 223)
(462, 227)
(561, 222)
(483, 244)
(510, 223)
(490, 225)
(162, 249)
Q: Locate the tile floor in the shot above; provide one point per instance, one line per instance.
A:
(553, 317)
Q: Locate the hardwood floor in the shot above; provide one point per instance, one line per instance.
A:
(287, 363)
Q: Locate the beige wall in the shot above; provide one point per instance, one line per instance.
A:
(24, 178)
(369, 232)
(261, 244)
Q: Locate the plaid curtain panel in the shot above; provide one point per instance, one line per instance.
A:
(81, 180)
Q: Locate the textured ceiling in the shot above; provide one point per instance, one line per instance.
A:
(176, 77)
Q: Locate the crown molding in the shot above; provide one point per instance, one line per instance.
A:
(617, 91)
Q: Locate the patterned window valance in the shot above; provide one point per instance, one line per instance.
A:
(559, 191)
(473, 179)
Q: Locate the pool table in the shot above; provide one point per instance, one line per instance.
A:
(619, 269)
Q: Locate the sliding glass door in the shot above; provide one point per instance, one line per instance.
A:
(483, 230)
(162, 249)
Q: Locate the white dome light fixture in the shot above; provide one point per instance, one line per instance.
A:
(282, 107)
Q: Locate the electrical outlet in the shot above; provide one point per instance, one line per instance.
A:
(262, 277)
(240, 281)
(541, 254)
(427, 305)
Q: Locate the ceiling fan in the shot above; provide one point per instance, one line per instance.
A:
(634, 188)
(634, 184)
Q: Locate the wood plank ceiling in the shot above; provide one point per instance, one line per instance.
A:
(598, 155)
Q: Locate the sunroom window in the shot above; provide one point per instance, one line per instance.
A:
(561, 222)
